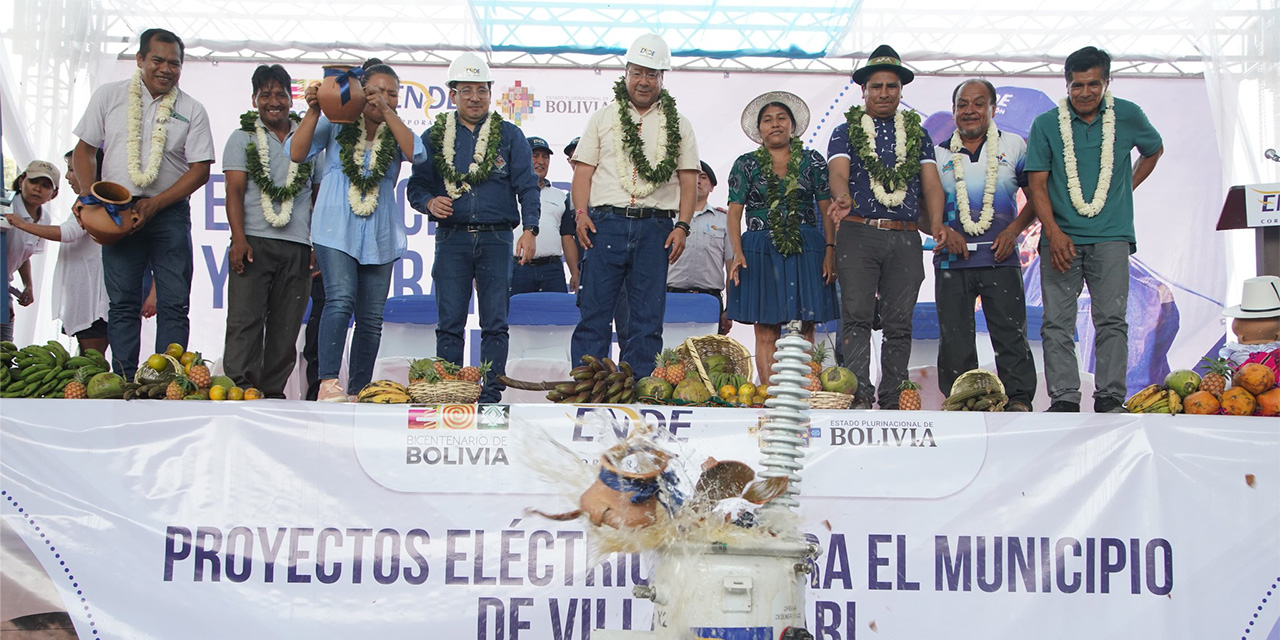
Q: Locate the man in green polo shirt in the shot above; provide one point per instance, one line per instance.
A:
(1081, 186)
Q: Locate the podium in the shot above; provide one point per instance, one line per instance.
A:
(1256, 206)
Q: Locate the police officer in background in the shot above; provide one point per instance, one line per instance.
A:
(545, 272)
(708, 253)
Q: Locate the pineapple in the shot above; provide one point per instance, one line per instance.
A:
(418, 369)
(475, 374)
(76, 390)
(198, 372)
(1219, 375)
(178, 388)
(820, 352)
(815, 383)
(909, 396)
(444, 370)
(668, 367)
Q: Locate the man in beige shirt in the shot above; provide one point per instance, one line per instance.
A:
(635, 172)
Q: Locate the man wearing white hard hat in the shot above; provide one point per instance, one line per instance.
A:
(477, 167)
(634, 186)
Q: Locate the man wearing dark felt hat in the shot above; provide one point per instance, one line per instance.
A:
(879, 204)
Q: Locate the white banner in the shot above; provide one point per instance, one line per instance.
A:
(293, 520)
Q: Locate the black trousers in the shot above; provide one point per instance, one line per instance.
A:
(1004, 306)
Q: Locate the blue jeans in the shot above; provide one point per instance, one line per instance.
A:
(483, 258)
(531, 278)
(351, 289)
(165, 244)
(627, 259)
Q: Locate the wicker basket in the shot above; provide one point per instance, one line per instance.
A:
(695, 350)
(447, 392)
(829, 400)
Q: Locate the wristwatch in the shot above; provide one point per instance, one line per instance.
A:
(533, 230)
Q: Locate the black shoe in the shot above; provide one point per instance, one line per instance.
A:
(861, 405)
(1108, 405)
(1063, 406)
(1018, 406)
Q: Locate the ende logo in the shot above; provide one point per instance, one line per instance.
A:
(517, 103)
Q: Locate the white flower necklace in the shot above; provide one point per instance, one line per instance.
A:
(628, 176)
(363, 203)
(159, 133)
(958, 160)
(280, 219)
(887, 198)
(1088, 209)
(456, 189)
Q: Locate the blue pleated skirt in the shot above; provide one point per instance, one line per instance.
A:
(777, 289)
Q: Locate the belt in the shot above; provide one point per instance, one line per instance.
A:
(477, 228)
(639, 212)
(883, 223)
(538, 262)
(710, 292)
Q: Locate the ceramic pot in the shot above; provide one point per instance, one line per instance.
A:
(95, 212)
(341, 94)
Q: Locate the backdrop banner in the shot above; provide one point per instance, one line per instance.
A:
(1175, 305)
(289, 520)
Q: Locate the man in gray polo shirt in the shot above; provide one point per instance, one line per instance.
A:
(156, 143)
(703, 265)
(270, 254)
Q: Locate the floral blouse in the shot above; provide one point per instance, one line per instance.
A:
(748, 186)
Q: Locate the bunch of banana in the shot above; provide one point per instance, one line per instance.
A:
(594, 381)
(977, 399)
(1154, 399)
(43, 371)
(384, 392)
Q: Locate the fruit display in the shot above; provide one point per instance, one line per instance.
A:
(438, 381)
(1155, 398)
(974, 390)
(595, 381)
(44, 371)
(384, 392)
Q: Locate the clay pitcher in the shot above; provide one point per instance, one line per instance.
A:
(341, 94)
(106, 212)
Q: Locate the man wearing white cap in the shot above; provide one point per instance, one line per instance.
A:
(634, 186)
(473, 203)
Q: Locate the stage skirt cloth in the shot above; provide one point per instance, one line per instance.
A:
(776, 289)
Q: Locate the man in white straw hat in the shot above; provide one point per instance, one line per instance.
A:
(634, 186)
(884, 180)
(784, 266)
(478, 165)
(1257, 320)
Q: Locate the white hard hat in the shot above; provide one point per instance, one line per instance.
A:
(469, 67)
(650, 50)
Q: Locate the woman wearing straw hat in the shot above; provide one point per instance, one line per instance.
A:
(784, 266)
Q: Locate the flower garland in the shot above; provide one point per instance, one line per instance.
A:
(258, 164)
(1093, 208)
(627, 137)
(992, 147)
(783, 198)
(444, 135)
(363, 193)
(159, 133)
(888, 184)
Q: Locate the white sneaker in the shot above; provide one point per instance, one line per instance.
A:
(331, 391)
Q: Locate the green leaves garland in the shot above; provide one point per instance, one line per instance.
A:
(348, 135)
(891, 178)
(783, 198)
(444, 163)
(258, 173)
(635, 147)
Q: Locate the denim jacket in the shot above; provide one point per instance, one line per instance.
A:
(492, 201)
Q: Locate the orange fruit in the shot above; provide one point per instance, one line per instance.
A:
(157, 362)
(252, 393)
(729, 392)
(186, 360)
(235, 393)
(174, 349)
(217, 392)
